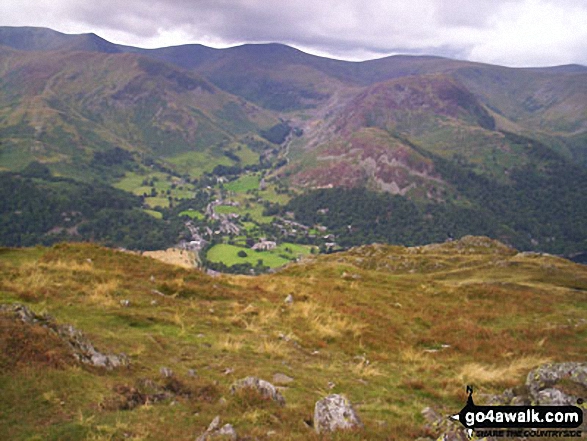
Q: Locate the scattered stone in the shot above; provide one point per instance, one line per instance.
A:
(125, 303)
(549, 375)
(285, 338)
(82, 349)
(555, 397)
(265, 388)
(166, 372)
(444, 428)
(128, 398)
(550, 384)
(280, 378)
(289, 299)
(335, 412)
(158, 293)
(215, 431)
(331, 385)
(153, 302)
(228, 371)
(192, 373)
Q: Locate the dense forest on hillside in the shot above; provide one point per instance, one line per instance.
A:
(541, 209)
(36, 208)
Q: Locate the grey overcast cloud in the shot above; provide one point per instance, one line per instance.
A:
(505, 32)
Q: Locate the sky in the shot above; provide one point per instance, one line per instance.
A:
(515, 33)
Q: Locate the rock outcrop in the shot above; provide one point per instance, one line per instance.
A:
(264, 388)
(555, 383)
(335, 412)
(549, 384)
(81, 348)
(214, 431)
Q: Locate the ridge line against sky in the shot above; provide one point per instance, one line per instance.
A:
(516, 33)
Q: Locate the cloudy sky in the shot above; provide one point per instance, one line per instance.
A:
(507, 32)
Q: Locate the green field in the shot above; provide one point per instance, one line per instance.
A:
(155, 214)
(255, 211)
(272, 196)
(165, 186)
(157, 202)
(293, 249)
(194, 214)
(227, 254)
(244, 183)
(197, 163)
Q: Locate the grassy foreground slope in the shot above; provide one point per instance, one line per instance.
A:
(395, 329)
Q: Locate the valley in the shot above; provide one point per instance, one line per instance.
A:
(442, 147)
(201, 243)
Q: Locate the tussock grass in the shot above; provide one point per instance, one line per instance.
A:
(230, 344)
(272, 349)
(103, 293)
(365, 369)
(325, 323)
(463, 319)
(506, 375)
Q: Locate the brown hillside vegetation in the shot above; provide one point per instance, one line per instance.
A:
(394, 329)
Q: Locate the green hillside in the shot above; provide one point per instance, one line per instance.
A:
(394, 329)
(469, 148)
(61, 108)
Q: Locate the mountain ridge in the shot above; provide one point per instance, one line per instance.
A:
(442, 134)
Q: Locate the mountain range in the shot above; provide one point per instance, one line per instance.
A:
(416, 127)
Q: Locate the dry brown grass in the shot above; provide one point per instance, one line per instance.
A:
(102, 293)
(497, 330)
(173, 256)
(366, 369)
(69, 266)
(491, 375)
(326, 323)
(272, 348)
(230, 344)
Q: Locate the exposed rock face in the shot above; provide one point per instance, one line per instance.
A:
(265, 388)
(542, 382)
(335, 412)
(214, 431)
(82, 349)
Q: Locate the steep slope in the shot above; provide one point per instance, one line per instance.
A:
(394, 329)
(61, 107)
(368, 136)
(506, 146)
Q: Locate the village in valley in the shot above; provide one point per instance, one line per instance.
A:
(232, 222)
